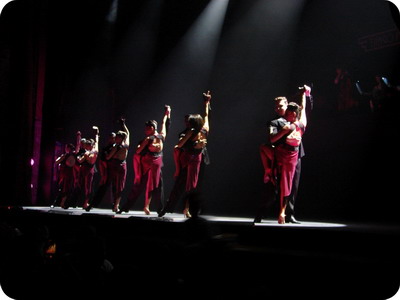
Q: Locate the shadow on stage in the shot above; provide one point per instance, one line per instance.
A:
(62, 253)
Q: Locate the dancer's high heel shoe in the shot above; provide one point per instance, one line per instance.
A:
(186, 213)
(85, 204)
(146, 211)
(281, 219)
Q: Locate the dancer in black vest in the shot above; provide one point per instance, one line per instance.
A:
(147, 163)
(116, 169)
(189, 155)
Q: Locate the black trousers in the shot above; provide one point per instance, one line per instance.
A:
(177, 192)
(100, 194)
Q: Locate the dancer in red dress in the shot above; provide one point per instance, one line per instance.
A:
(287, 141)
(116, 169)
(66, 177)
(188, 155)
(103, 159)
(69, 168)
(87, 162)
(147, 164)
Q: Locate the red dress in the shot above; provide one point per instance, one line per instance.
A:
(286, 155)
(117, 175)
(66, 179)
(190, 158)
(191, 161)
(86, 174)
(148, 177)
(151, 165)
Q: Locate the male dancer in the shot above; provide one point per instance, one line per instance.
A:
(268, 158)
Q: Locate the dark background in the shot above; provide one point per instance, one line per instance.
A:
(96, 67)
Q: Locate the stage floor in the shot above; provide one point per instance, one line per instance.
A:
(175, 217)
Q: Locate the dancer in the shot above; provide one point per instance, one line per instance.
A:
(87, 162)
(188, 155)
(79, 150)
(147, 164)
(103, 159)
(267, 153)
(287, 138)
(178, 151)
(66, 177)
(69, 173)
(344, 90)
(116, 165)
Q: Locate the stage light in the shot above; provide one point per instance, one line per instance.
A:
(112, 14)
(201, 41)
(133, 59)
(395, 2)
(188, 68)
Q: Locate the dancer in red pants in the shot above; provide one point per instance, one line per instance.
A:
(103, 159)
(66, 177)
(147, 164)
(87, 162)
(188, 155)
(116, 169)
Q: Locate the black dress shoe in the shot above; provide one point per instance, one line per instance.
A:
(293, 220)
(257, 219)
(162, 213)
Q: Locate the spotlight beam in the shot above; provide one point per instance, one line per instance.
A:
(187, 69)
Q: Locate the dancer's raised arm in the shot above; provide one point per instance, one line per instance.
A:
(207, 100)
(303, 115)
(126, 130)
(166, 121)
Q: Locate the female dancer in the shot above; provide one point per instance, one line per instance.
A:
(66, 177)
(147, 164)
(287, 141)
(116, 169)
(188, 154)
(103, 159)
(68, 180)
(87, 162)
